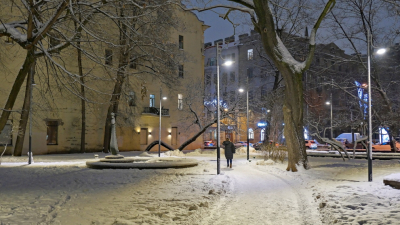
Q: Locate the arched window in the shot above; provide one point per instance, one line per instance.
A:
(262, 134)
(251, 133)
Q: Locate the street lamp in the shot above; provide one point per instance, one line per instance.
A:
(159, 134)
(247, 117)
(32, 83)
(380, 51)
(226, 63)
(330, 103)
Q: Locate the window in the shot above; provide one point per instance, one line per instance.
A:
(215, 79)
(232, 96)
(9, 40)
(251, 95)
(251, 133)
(108, 57)
(233, 57)
(132, 62)
(263, 92)
(224, 78)
(131, 98)
(250, 54)
(152, 99)
(208, 79)
(262, 137)
(232, 77)
(250, 73)
(180, 42)
(52, 132)
(180, 101)
(211, 62)
(54, 41)
(6, 135)
(180, 71)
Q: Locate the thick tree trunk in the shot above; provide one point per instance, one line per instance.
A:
(186, 143)
(19, 144)
(293, 117)
(19, 80)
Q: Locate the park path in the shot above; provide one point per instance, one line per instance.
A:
(262, 197)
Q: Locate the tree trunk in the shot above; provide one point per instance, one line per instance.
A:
(19, 80)
(293, 117)
(186, 143)
(122, 64)
(19, 144)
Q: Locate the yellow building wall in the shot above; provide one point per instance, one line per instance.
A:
(66, 107)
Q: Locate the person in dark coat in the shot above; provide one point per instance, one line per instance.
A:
(229, 150)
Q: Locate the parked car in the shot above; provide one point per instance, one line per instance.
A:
(257, 146)
(242, 144)
(385, 146)
(210, 144)
(311, 144)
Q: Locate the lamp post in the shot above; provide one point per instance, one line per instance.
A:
(227, 63)
(380, 51)
(32, 83)
(330, 103)
(159, 134)
(247, 116)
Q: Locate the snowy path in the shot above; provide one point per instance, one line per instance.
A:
(259, 197)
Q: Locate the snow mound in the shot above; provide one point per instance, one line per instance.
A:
(393, 177)
(195, 152)
(243, 150)
(176, 152)
(264, 163)
(146, 154)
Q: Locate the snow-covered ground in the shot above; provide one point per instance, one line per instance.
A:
(60, 189)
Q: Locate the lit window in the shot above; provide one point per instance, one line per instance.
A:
(251, 133)
(152, 99)
(262, 137)
(250, 54)
(180, 101)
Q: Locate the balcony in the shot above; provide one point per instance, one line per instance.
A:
(155, 111)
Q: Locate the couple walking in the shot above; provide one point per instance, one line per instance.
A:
(229, 150)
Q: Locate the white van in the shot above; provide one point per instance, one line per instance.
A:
(349, 136)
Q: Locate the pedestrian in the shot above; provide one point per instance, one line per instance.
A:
(229, 150)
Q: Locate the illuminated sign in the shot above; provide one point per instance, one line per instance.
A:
(262, 124)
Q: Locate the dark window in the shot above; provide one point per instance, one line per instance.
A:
(52, 132)
(108, 60)
(232, 96)
(133, 63)
(225, 78)
(54, 41)
(180, 42)
(215, 79)
(263, 92)
(131, 98)
(180, 71)
(251, 95)
(233, 56)
(233, 77)
(250, 73)
(208, 79)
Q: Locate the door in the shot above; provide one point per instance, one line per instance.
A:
(143, 136)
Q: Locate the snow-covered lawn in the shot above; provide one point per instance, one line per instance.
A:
(60, 189)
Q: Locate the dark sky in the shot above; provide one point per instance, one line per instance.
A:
(220, 28)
